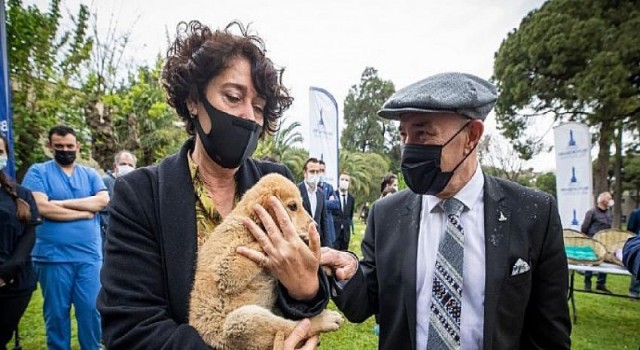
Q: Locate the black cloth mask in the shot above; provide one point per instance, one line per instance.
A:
(64, 158)
(421, 166)
(231, 139)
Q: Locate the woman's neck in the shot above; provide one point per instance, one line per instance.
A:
(218, 181)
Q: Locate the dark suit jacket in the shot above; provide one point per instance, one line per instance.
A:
(631, 255)
(342, 217)
(526, 311)
(150, 257)
(321, 216)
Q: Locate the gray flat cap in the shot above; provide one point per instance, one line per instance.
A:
(459, 93)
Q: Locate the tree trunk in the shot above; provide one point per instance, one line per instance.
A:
(601, 171)
(617, 194)
(104, 145)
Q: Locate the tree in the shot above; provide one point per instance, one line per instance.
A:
(366, 171)
(503, 159)
(45, 66)
(546, 182)
(281, 147)
(364, 130)
(576, 61)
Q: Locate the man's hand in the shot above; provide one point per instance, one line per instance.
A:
(286, 255)
(343, 265)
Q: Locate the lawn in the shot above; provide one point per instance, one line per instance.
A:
(603, 322)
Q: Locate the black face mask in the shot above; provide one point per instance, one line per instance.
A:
(231, 139)
(64, 158)
(421, 167)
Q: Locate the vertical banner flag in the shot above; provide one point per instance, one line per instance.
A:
(574, 185)
(5, 94)
(323, 116)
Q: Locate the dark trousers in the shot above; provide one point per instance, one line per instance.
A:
(343, 236)
(13, 308)
(602, 278)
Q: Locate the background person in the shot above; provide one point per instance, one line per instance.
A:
(124, 162)
(595, 220)
(330, 201)
(314, 201)
(343, 215)
(467, 266)
(18, 219)
(67, 255)
(634, 226)
(228, 94)
(389, 181)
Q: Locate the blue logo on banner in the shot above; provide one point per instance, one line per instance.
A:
(572, 141)
(574, 222)
(574, 179)
(321, 121)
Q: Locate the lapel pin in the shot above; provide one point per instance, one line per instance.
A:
(502, 217)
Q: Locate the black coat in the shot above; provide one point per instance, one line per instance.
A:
(526, 311)
(343, 217)
(321, 215)
(150, 258)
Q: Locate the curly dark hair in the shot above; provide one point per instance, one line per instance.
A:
(198, 54)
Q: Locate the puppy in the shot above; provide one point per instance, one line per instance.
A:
(233, 301)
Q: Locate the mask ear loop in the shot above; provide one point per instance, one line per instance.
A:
(468, 154)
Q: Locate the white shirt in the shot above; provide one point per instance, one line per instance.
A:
(432, 229)
(313, 200)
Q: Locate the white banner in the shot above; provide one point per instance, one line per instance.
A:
(574, 179)
(323, 128)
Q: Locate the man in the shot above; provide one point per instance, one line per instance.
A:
(462, 260)
(67, 255)
(124, 162)
(343, 215)
(631, 256)
(597, 219)
(634, 226)
(313, 199)
(331, 201)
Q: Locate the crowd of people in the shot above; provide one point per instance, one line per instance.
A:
(453, 261)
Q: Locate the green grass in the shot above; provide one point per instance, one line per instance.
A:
(603, 322)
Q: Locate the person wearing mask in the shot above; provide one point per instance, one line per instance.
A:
(67, 255)
(314, 200)
(389, 181)
(597, 219)
(343, 216)
(124, 162)
(18, 220)
(331, 201)
(229, 94)
(472, 261)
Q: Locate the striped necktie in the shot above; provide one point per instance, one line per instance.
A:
(446, 296)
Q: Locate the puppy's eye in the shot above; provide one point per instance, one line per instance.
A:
(292, 206)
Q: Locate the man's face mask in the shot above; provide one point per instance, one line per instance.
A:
(312, 180)
(64, 158)
(124, 169)
(3, 162)
(231, 139)
(421, 166)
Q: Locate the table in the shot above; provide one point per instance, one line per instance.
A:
(604, 267)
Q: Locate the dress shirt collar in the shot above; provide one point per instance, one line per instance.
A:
(467, 195)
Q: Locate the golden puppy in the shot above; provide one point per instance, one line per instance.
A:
(233, 299)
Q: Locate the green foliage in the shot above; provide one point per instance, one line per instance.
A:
(45, 63)
(576, 61)
(366, 171)
(364, 130)
(546, 182)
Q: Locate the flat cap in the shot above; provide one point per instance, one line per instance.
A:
(459, 93)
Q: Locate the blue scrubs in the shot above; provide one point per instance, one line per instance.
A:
(67, 256)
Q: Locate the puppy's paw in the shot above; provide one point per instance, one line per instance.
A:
(327, 321)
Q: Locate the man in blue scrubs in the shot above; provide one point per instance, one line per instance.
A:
(67, 255)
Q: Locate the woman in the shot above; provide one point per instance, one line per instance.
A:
(228, 94)
(389, 181)
(18, 218)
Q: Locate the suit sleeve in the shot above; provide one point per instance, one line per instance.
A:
(586, 222)
(547, 324)
(358, 298)
(631, 255)
(133, 300)
(326, 239)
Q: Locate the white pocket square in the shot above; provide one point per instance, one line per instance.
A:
(520, 267)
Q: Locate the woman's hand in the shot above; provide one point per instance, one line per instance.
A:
(286, 255)
(298, 335)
